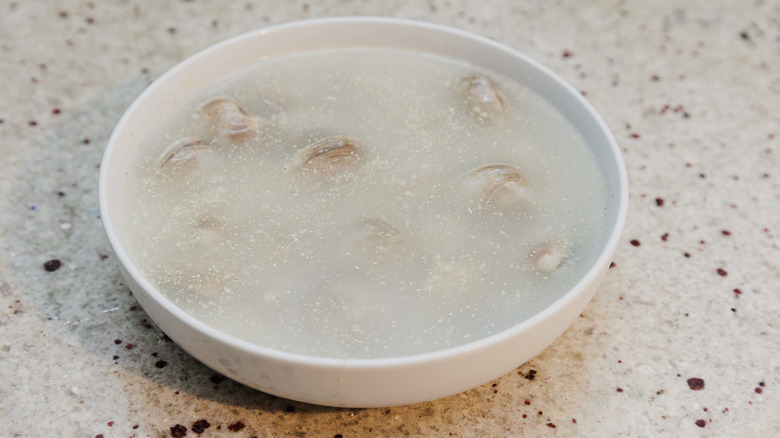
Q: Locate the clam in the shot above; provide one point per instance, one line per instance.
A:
(330, 156)
(549, 255)
(182, 154)
(498, 185)
(378, 237)
(483, 97)
(228, 119)
(209, 230)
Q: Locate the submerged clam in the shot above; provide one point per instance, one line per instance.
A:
(483, 97)
(499, 185)
(330, 156)
(228, 119)
(182, 154)
(549, 255)
(378, 237)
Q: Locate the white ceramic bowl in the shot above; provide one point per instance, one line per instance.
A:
(358, 382)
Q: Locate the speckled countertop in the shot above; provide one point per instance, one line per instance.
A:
(682, 339)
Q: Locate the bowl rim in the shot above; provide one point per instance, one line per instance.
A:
(592, 274)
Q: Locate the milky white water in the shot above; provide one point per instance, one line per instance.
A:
(296, 261)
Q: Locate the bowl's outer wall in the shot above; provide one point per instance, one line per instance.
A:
(356, 383)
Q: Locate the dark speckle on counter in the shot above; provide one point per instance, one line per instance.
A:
(52, 265)
(200, 426)
(237, 426)
(696, 383)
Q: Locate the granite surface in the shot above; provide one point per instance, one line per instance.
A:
(682, 339)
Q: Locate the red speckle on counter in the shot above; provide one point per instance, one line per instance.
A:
(551, 425)
(567, 54)
(758, 390)
(540, 412)
(635, 242)
(129, 346)
(687, 255)
(530, 375)
(612, 265)
(722, 272)
(574, 420)
(726, 232)
(110, 423)
(696, 383)
(664, 236)
(32, 123)
(702, 176)
(634, 135)
(200, 426)
(619, 390)
(237, 426)
(733, 309)
(85, 141)
(737, 291)
(701, 423)
(178, 431)
(762, 384)
(100, 435)
(90, 20)
(659, 202)
(525, 415)
(527, 402)
(52, 265)
(56, 111)
(117, 341)
(135, 426)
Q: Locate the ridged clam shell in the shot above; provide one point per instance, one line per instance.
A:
(549, 255)
(483, 97)
(181, 154)
(330, 156)
(228, 119)
(499, 185)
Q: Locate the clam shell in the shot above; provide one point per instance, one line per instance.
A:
(330, 156)
(228, 119)
(548, 256)
(181, 154)
(483, 97)
(378, 237)
(501, 186)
